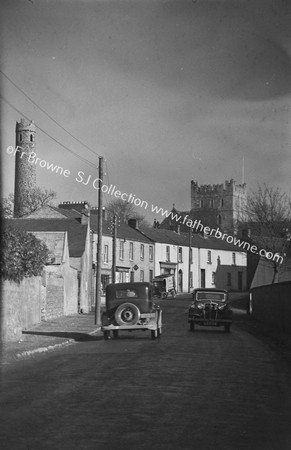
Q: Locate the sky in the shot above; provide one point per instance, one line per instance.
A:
(166, 91)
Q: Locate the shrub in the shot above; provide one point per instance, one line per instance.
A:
(23, 255)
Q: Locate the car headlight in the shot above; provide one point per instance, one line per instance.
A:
(221, 307)
(200, 306)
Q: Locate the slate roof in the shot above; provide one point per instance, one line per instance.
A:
(76, 232)
(52, 212)
(124, 231)
(182, 239)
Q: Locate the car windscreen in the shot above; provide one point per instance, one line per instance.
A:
(210, 296)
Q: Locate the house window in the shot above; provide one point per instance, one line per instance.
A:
(151, 253)
(233, 259)
(221, 203)
(219, 219)
(228, 279)
(121, 249)
(105, 254)
(201, 204)
(31, 138)
(151, 275)
(141, 275)
(168, 255)
(180, 255)
(131, 251)
(209, 257)
(141, 251)
(211, 203)
(213, 278)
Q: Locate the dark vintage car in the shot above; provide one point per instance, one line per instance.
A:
(129, 306)
(210, 308)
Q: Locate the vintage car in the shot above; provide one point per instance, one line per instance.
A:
(210, 308)
(129, 307)
(164, 285)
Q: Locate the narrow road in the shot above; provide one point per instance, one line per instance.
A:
(187, 390)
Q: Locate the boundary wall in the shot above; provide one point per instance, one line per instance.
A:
(271, 304)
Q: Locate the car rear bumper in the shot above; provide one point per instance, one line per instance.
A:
(153, 322)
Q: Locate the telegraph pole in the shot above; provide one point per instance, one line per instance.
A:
(189, 261)
(99, 246)
(114, 237)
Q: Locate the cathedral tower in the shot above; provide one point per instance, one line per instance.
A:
(221, 205)
(25, 171)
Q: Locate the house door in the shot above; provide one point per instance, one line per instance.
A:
(203, 278)
(180, 281)
(240, 277)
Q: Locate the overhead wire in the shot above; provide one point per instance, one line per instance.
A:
(47, 114)
(47, 134)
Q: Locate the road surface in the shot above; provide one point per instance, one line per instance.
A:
(187, 390)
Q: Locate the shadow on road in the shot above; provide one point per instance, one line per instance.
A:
(66, 335)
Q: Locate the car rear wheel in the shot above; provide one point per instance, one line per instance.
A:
(106, 335)
(115, 334)
(127, 314)
(154, 334)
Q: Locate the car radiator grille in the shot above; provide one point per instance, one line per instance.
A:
(210, 312)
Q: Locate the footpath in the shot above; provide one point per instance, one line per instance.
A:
(51, 335)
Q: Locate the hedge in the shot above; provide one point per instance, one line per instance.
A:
(23, 255)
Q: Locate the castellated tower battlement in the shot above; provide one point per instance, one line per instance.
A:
(228, 187)
(25, 172)
(219, 204)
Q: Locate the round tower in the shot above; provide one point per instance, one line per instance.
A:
(25, 172)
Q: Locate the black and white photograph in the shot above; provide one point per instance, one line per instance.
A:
(145, 224)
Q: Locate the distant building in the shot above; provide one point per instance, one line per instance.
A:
(199, 262)
(51, 219)
(25, 171)
(219, 205)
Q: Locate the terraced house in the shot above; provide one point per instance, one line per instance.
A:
(127, 254)
(198, 261)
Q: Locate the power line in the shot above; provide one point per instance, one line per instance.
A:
(47, 114)
(47, 134)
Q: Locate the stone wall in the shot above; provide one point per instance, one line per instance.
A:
(20, 308)
(35, 299)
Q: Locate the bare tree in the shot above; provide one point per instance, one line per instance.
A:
(7, 206)
(268, 216)
(35, 199)
(124, 211)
